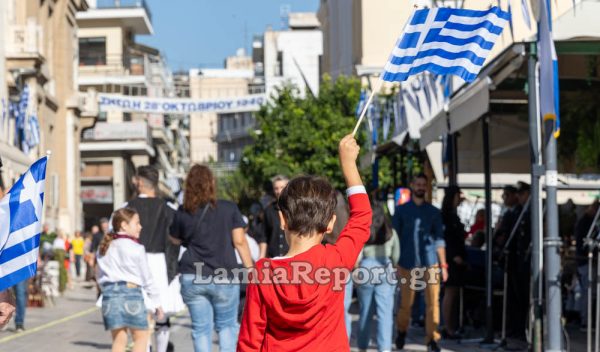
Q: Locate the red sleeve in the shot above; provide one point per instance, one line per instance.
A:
(357, 231)
(254, 321)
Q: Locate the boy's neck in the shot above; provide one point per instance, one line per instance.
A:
(300, 244)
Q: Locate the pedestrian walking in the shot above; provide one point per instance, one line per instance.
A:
(302, 314)
(422, 251)
(156, 216)
(376, 296)
(123, 271)
(456, 252)
(210, 229)
(77, 245)
(273, 234)
(21, 294)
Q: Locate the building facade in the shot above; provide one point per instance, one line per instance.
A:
(235, 80)
(116, 142)
(39, 58)
(292, 56)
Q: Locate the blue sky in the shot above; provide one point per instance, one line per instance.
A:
(201, 33)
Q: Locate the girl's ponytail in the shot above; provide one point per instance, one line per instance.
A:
(105, 243)
(120, 215)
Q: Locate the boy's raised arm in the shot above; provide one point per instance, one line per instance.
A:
(348, 150)
(357, 230)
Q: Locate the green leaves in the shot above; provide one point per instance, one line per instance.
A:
(300, 135)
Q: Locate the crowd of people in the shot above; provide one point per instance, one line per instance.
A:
(151, 259)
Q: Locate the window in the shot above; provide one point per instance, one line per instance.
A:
(92, 51)
(279, 64)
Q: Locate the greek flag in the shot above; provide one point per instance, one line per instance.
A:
(445, 41)
(20, 226)
(549, 92)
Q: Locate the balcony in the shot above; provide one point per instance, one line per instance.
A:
(105, 139)
(101, 69)
(25, 42)
(132, 14)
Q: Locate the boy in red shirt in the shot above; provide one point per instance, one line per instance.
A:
(296, 302)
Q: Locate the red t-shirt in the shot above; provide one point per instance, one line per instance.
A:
(305, 316)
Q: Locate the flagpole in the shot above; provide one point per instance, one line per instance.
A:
(364, 111)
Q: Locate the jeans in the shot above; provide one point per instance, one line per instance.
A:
(347, 304)
(78, 264)
(376, 297)
(582, 270)
(21, 301)
(123, 307)
(212, 305)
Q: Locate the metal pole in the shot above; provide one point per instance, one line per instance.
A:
(552, 244)
(489, 318)
(536, 199)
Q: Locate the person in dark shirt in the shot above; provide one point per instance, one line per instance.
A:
(210, 229)
(456, 253)
(274, 236)
(581, 230)
(519, 266)
(156, 216)
(422, 246)
(509, 217)
(98, 233)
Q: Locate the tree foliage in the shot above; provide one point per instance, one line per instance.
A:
(296, 135)
(579, 142)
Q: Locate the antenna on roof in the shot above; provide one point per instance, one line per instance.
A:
(284, 14)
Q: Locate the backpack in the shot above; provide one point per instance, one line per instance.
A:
(381, 226)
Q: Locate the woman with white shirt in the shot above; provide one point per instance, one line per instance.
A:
(122, 273)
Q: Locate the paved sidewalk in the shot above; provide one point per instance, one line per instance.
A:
(75, 324)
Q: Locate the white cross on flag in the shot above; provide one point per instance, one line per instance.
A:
(21, 225)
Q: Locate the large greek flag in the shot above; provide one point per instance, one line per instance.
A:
(445, 41)
(20, 226)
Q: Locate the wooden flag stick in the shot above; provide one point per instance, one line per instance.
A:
(362, 114)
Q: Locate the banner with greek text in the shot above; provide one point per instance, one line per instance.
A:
(117, 102)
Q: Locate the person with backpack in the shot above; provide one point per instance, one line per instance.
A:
(377, 295)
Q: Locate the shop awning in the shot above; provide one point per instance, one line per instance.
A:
(472, 101)
(579, 23)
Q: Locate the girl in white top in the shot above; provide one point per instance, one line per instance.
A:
(122, 273)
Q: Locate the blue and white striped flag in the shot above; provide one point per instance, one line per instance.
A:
(549, 92)
(445, 41)
(20, 226)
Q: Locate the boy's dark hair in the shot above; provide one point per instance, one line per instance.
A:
(308, 204)
(148, 173)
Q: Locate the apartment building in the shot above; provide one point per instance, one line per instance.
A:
(291, 55)
(208, 142)
(38, 60)
(116, 142)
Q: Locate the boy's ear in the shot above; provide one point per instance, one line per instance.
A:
(282, 220)
(331, 223)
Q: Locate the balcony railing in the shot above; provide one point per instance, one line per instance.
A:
(26, 39)
(124, 4)
(119, 131)
(115, 64)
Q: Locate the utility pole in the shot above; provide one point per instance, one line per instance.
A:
(548, 108)
(537, 170)
(552, 244)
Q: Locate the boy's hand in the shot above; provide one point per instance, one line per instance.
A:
(348, 150)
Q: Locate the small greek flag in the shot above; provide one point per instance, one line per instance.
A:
(445, 41)
(549, 90)
(20, 226)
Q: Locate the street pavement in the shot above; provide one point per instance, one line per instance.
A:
(74, 323)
